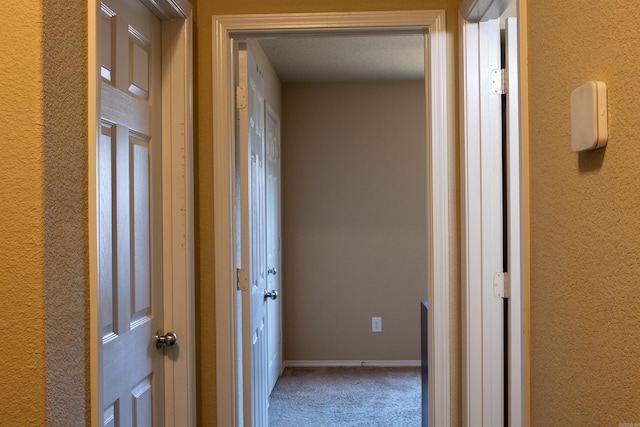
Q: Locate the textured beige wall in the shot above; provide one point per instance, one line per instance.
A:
(204, 175)
(43, 182)
(585, 210)
(354, 219)
(66, 256)
(21, 241)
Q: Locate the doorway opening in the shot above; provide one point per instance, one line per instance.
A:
(437, 84)
(354, 223)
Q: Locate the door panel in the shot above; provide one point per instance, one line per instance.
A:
(129, 216)
(491, 155)
(253, 241)
(274, 307)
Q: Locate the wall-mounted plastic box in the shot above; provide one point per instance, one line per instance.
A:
(589, 116)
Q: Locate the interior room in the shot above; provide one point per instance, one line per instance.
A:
(353, 197)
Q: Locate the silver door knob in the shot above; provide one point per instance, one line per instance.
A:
(273, 271)
(270, 294)
(168, 339)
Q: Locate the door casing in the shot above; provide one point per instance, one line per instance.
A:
(473, 89)
(177, 195)
(439, 137)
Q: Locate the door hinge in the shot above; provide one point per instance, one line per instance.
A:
(242, 279)
(501, 285)
(241, 97)
(499, 82)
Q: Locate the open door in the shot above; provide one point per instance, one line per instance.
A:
(129, 202)
(274, 281)
(140, 197)
(253, 262)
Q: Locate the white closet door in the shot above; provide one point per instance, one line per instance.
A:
(253, 263)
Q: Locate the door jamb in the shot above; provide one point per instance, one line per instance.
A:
(524, 353)
(519, 303)
(177, 192)
(439, 90)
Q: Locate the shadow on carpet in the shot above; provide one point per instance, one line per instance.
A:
(346, 397)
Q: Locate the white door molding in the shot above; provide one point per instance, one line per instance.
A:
(514, 227)
(518, 182)
(471, 224)
(439, 90)
(521, 356)
(178, 218)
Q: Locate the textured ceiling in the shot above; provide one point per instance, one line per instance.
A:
(346, 58)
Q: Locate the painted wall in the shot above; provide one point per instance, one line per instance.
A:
(354, 217)
(205, 291)
(65, 227)
(585, 210)
(21, 210)
(43, 246)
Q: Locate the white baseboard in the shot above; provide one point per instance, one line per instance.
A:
(377, 363)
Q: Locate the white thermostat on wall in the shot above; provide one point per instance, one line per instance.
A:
(589, 116)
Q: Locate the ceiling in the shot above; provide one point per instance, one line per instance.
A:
(346, 58)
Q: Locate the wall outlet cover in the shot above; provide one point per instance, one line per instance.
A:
(376, 324)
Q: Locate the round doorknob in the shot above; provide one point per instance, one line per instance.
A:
(271, 294)
(169, 339)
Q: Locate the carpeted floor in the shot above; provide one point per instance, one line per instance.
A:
(346, 397)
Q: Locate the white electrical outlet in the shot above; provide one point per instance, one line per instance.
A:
(376, 324)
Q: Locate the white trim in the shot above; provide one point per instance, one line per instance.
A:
(471, 224)
(178, 218)
(352, 363)
(438, 82)
(93, 108)
(514, 216)
(525, 252)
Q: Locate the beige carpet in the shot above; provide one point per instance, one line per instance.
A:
(347, 397)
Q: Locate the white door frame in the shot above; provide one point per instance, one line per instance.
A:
(473, 89)
(482, 229)
(177, 194)
(439, 92)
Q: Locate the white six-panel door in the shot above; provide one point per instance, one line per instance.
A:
(274, 273)
(129, 219)
(253, 283)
